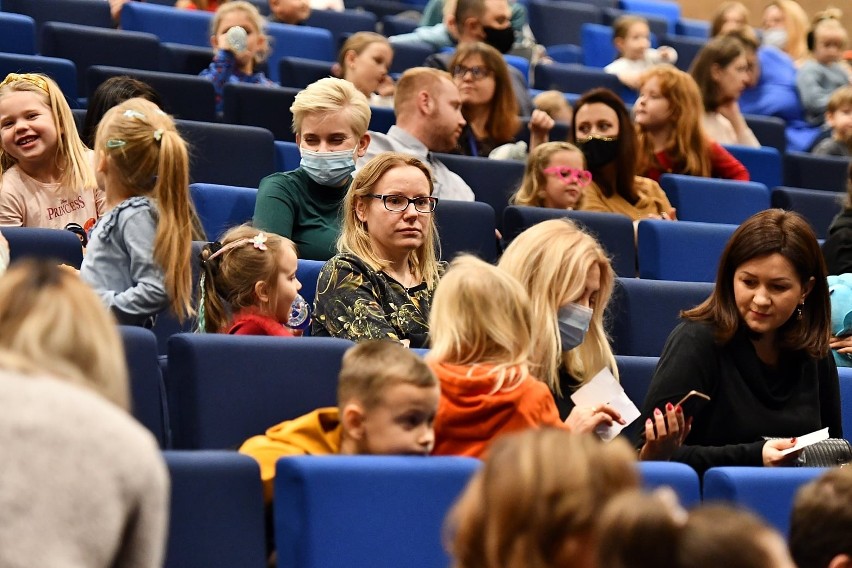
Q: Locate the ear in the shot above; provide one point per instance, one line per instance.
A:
(840, 561)
(101, 166)
(352, 421)
(470, 25)
(363, 143)
(214, 42)
(425, 103)
(809, 285)
(349, 57)
(715, 71)
(619, 44)
(361, 209)
(261, 290)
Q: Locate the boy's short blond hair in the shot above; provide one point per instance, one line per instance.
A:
(841, 98)
(371, 367)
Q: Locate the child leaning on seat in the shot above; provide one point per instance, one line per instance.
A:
(386, 403)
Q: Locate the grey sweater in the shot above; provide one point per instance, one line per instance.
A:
(82, 484)
(816, 82)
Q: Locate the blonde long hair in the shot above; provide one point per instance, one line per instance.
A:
(688, 145)
(551, 261)
(150, 158)
(71, 153)
(481, 315)
(354, 236)
(52, 322)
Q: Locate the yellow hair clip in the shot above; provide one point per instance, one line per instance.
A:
(32, 78)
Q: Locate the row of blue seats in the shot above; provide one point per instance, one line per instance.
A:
(384, 511)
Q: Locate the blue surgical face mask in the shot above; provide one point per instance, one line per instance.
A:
(574, 321)
(328, 168)
(776, 37)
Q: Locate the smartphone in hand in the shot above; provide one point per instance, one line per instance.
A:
(693, 402)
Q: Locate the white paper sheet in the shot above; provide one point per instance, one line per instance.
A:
(604, 388)
(807, 440)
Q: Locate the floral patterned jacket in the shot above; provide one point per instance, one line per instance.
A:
(355, 302)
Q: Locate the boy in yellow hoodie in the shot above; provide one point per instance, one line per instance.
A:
(387, 399)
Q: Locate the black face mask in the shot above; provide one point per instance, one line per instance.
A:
(599, 151)
(501, 40)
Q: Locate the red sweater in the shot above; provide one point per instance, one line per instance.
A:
(470, 416)
(251, 322)
(722, 165)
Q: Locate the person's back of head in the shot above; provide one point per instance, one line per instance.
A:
(482, 315)
(52, 323)
(553, 102)
(387, 399)
(721, 535)
(535, 500)
(467, 15)
(412, 82)
(821, 522)
(111, 92)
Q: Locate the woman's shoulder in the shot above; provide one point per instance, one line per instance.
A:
(285, 180)
(695, 332)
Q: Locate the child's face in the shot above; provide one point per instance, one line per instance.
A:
(288, 284)
(254, 40)
(290, 11)
(829, 43)
(564, 191)
(27, 131)
(403, 422)
(841, 122)
(368, 69)
(652, 110)
(636, 42)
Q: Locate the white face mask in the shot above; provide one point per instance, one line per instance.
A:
(574, 321)
(776, 37)
(328, 168)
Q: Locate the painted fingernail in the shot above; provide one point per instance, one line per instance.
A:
(792, 440)
(648, 422)
(669, 407)
(657, 412)
(679, 409)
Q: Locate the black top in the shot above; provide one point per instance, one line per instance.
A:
(837, 248)
(750, 400)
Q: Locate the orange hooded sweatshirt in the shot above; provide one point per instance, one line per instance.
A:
(314, 434)
(470, 416)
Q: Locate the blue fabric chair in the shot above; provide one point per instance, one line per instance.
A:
(221, 207)
(818, 207)
(554, 23)
(466, 226)
(634, 374)
(668, 10)
(678, 476)
(614, 232)
(644, 312)
(228, 154)
(397, 25)
(167, 324)
(769, 130)
(578, 79)
(383, 511)
(598, 50)
(566, 53)
(342, 24)
(187, 59)
(287, 156)
(298, 72)
(184, 96)
(687, 48)
(684, 251)
(522, 64)
(83, 12)
(18, 34)
(308, 274)
(768, 492)
(845, 375)
(712, 200)
(256, 105)
(492, 181)
(693, 28)
(30, 242)
(63, 71)
(216, 511)
(811, 171)
(147, 390)
(87, 46)
(298, 41)
(408, 55)
(381, 119)
(763, 164)
(191, 27)
(222, 389)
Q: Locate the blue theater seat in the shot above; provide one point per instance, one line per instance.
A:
(634, 374)
(256, 105)
(769, 130)
(466, 226)
(763, 164)
(147, 390)
(298, 72)
(187, 59)
(678, 476)
(570, 78)
(342, 24)
(298, 41)
(191, 27)
(812, 171)
(555, 23)
(686, 251)
(408, 55)
(221, 207)
(287, 156)
(845, 376)
(712, 200)
(817, 206)
(83, 12)
(308, 274)
(19, 34)
(668, 10)
(380, 511)
(598, 50)
(32, 242)
(63, 71)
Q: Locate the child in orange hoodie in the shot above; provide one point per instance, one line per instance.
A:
(480, 329)
(387, 398)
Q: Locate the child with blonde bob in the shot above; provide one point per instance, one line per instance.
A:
(238, 53)
(669, 120)
(364, 61)
(481, 329)
(48, 179)
(554, 177)
(252, 275)
(138, 254)
(535, 500)
(631, 36)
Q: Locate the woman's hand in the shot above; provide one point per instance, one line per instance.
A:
(772, 456)
(843, 344)
(540, 126)
(587, 418)
(664, 434)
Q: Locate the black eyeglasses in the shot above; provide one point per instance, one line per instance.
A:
(476, 73)
(399, 203)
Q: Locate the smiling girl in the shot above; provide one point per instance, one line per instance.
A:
(48, 180)
(555, 177)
